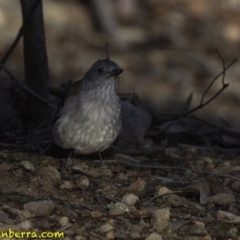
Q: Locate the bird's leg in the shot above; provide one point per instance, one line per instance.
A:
(102, 162)
(69, 160)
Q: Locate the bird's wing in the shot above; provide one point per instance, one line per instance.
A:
(71, 91)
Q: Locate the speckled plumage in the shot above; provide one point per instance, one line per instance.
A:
(89, 119)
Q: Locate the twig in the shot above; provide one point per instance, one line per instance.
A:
(224, 85)
(215, 149)
(19, 35)
(210, 85)
(223, 62)
(170, 180)
(161, 195)
(125, 158)
(202, 103)
(64, 228)
(203, 219)
(179, 168)
(75, 205)
(215, 174)
(24, 87)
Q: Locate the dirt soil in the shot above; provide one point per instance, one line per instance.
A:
(173, 192)
(176, 193)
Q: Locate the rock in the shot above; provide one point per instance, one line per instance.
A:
(66, 185)
(25, 225)
(4, 217)
(96, 214)
(222, 199)
(25, 214)
(154, 236)
(160, 219)
(137, 186)
(174, 200)
(208, 160)
(116, 211)
(130, 199)
(21, 214)
(119, 205)
(223, 215)
(163, 190)
(132, 208)
(83, 182)
(110, 235)
(64, 221)
(122, 177)
(135, 235)
(198, 228)
(40, 208)
(51, 172)
(105, 228)
(28, 165)
(49, 177)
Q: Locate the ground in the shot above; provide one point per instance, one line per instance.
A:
(177, 193)
(187, 188)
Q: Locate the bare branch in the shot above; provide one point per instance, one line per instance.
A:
(223, 77)
(19, 35)
(202, 103)
(224, 85)
(24, 87)
(223, 62)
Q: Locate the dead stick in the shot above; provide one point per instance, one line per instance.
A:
(19, 35)
(24, 87)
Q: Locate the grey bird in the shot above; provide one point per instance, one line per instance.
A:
(89, 118)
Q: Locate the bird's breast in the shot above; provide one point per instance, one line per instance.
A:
(89, 123)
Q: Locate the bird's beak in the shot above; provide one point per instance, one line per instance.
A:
(116, 71)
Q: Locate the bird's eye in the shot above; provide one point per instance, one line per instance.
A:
(100, 70)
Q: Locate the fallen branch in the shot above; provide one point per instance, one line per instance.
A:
(177, 168)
